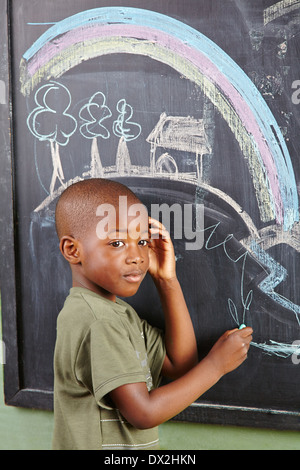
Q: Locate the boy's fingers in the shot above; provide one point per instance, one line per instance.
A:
(156, 223)
(245, 332)
(157, 228)
(230, 332)
(245, 336)
(163, 233)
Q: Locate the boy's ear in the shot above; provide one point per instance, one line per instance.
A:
(70, 250)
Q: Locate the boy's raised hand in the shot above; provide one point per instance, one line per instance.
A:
(162, 257)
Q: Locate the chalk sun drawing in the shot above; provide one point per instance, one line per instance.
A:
(129, 30)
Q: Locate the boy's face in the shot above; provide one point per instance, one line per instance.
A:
(114, 257)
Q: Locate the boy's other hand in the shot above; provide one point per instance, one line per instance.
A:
(231, 350)
(161, 254)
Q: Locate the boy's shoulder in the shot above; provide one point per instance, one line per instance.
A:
(83, 306)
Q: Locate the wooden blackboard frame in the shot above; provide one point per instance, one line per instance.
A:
(15, 393)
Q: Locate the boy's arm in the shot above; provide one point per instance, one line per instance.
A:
(180, 338)
(145, 409)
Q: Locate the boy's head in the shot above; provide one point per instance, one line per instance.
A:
(103, 231)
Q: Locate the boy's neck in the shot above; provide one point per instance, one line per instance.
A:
(93, 287)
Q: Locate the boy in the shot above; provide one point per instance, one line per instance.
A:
(108, 363)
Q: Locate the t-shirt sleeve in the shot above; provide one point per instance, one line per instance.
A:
(107, 360)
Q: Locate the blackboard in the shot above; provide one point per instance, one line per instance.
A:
(193, 103)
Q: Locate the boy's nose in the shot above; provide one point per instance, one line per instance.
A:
(134, 259)
(134, 256)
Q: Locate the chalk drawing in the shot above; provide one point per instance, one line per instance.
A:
(103, 31)
(129, 30)
(96, 168)
(279, 9)
(180, 133)
(273, 235)
(164, 167)
(240, 315)
(123, 127)
(166, 163)
(246, 300)
(123, 162)
(58, 173)
(277, 275)
(278, 349)
(268, 85)
(53, 101)
(50, 121)
(274, 276)
(94, 113)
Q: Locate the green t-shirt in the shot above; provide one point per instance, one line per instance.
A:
(100, 346)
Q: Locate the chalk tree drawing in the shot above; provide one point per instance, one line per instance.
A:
(94, 113)
(123, 127)
(50, 121)
(123, 161)
(96, 168)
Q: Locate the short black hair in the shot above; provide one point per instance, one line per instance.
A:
(76, 208)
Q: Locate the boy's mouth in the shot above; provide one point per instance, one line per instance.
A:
(134, 276)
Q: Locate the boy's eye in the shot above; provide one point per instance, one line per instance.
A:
(117, 244)
(144, 242)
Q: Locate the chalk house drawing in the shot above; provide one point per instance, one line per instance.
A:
(179, 133)
(104, 31)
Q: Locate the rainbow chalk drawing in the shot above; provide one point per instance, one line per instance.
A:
(103, 31)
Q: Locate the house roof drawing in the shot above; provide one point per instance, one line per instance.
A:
(180, 133)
